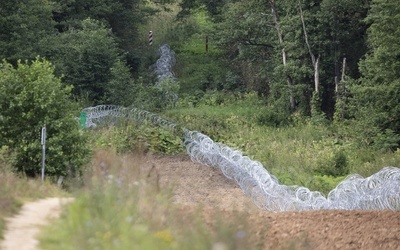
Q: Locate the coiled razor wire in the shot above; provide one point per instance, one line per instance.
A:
(377, 192)
(164, 65)
(165, 76)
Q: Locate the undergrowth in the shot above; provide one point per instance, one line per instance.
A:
(300, 151)
(130, 136)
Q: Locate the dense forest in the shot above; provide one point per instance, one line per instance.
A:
(328, 61)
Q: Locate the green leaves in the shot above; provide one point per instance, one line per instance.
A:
(31, 98)
(23, 24)
(376, 99)
(86, 57)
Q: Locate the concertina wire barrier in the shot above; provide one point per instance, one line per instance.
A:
(377, 192)
(164, 65)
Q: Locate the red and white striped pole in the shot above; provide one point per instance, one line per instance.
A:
(151, 38)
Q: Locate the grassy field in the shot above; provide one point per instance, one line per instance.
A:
(315, 154)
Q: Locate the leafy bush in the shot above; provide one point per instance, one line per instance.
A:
(273, 118)
(325, 183)
(336, 165)
(155, 98)
(30, 98)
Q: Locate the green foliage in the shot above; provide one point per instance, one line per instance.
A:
(335, 165)
(381, 65)
(195, 69)
(199, 72)
(122, 16)
(155, 98)
(298, 151)
(375, 99)
(131, 137)
(120, 90)
(214, 8)
(23, 24)
(325, 183)
(88, 58)
(169, 89)
(30, 98)
(373, 124)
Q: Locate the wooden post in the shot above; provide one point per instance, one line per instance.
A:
(206, 44)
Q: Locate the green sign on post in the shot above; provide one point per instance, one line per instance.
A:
(82, 120)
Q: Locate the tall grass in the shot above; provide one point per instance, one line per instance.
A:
(123, 206)
(298, 151)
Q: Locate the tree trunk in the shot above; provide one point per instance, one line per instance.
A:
(315, 61)
(340, 89)
(284, 55)
(316, 75)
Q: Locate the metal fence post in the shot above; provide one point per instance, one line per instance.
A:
(43, 149)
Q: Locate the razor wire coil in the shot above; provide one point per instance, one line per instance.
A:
(377, 192)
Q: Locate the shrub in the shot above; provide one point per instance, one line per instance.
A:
(30, 98)
(336, 165)
(130, 137)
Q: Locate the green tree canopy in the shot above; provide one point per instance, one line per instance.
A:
(86, 57)
(31, 97)
(375, 99)
(22, 25)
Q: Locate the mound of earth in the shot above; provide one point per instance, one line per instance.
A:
(196, 184)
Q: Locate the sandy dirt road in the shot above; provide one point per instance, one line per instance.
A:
(22, 228)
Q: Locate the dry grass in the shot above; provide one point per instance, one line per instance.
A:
(15, 190)
(123, 207)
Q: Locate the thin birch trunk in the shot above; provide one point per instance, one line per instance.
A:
(284, 55)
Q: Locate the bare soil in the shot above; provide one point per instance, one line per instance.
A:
(196, 184)
(22, 228)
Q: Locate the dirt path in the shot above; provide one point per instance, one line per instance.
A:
(336, 229)
(22, 228)
(194, 184)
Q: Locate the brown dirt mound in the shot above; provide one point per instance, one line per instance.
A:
(196, 184)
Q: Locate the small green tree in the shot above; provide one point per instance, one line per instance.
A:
(87, 57)
(31, 97)
(375, 100)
